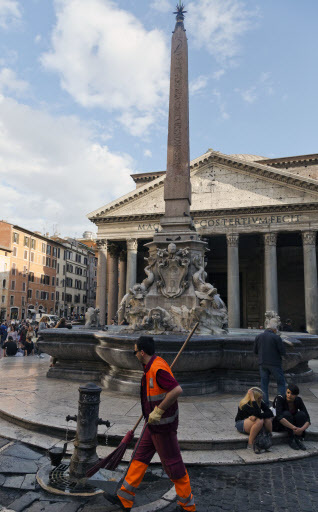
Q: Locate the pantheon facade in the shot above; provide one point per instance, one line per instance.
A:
(259, 218)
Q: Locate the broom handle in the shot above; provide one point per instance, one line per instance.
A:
(173, 363)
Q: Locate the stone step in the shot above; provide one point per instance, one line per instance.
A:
(231, 456)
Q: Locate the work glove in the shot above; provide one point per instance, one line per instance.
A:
(155, 415)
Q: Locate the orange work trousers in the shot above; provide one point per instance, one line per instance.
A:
(168, 450)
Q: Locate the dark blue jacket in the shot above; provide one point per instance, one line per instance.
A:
(270, 348)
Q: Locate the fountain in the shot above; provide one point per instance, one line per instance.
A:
(174, 294)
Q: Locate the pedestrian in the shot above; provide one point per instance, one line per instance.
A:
(287, 326)
(28, 345)
(270, 348)
(10, 347)
(3, 332)
(253, 414)
(292, 416)
(159, 393)
(12, 331)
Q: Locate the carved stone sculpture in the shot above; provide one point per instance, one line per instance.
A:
(173, 267)
(158, 321)
(92, 318)
(271, 316)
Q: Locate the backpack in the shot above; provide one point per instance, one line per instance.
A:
(263, 440)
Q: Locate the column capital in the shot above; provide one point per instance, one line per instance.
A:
(113, 249)
(270, 239)
(309, 237)
(123, 255)
(101, 243)
(132, 244)
(233, 239)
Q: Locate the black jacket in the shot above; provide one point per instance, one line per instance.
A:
(254, 410)
(270, 348)
(282, 406)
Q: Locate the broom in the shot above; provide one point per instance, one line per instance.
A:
(113, 459)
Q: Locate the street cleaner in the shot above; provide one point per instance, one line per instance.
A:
(159, 394)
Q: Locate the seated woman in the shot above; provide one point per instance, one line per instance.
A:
(292, 416)
(252, 415)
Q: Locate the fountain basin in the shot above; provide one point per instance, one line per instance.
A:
(208, 364)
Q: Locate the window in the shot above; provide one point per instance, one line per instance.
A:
(23, 287)
(13, 269)
(31, 277)
(84, 285)
(26, 241)
(53, 263)
(23, 300)
(43, 260)
(53, 281)
(37, 294)
(54, 251)
(85, 261)
(69, 268)
(12, 285)
(58, 268)
(44, 296)
(57, 295)
(11, 300)
(47, 279)
(32, 256)
(15, 251)
(3, 299)
(15, 238)
(63, 296)
(33, 243)
(78, 258)
(85, 272)
(48, 261)
(77, 299)
(84, 299)
(69, 282)
(64, 269)
(25, 255)
(24, 270)
(58, 252)
(48, 250)
(52, 296)
(29, 294)
(42, 279)
(57, 281)
(68, 297)
(43, 247)
(4, 283)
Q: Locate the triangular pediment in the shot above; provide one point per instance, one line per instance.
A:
(219, 182)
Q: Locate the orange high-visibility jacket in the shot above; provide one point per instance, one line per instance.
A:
(155, 395)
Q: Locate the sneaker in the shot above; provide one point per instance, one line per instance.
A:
(249, 446)
(113, 498)
(300, 444)
(256, 449)
(41, 356)
(293, 444)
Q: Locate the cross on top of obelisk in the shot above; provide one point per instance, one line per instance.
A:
(180, 12)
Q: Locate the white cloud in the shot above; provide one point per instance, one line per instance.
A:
(218, 25)
(218, 74)
(250, 95)
(9, 82)
(107, 59)
(148, 153)
(221, 104)
(162, 5)
(264, 86)
(9, 13)
(38, 38)
(54, 169)
(198, 84)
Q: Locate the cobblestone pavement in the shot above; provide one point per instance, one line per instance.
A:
(277, 487)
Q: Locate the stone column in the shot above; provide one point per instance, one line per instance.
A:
(112, 257)
(233, 279)
(310, 278)
(132, 246)
(271, 287)
(101, 280)
(122, 280)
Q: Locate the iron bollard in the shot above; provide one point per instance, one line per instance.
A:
(85, 456)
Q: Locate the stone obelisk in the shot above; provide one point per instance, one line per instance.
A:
(177, 187)
(175, 295)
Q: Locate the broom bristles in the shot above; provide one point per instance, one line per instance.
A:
(113, 459)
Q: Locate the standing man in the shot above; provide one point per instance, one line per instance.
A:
(270, 349)
(159, 394)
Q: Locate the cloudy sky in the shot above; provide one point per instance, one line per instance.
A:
(84, 95)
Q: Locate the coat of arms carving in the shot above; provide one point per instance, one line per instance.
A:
(172, 265)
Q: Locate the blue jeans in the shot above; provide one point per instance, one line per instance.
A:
(278, 374)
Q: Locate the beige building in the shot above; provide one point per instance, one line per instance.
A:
(259, 217)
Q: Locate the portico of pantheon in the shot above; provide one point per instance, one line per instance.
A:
(259, 217)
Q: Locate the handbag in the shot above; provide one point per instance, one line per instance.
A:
(263, 440)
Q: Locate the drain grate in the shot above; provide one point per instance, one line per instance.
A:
(59, 478)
